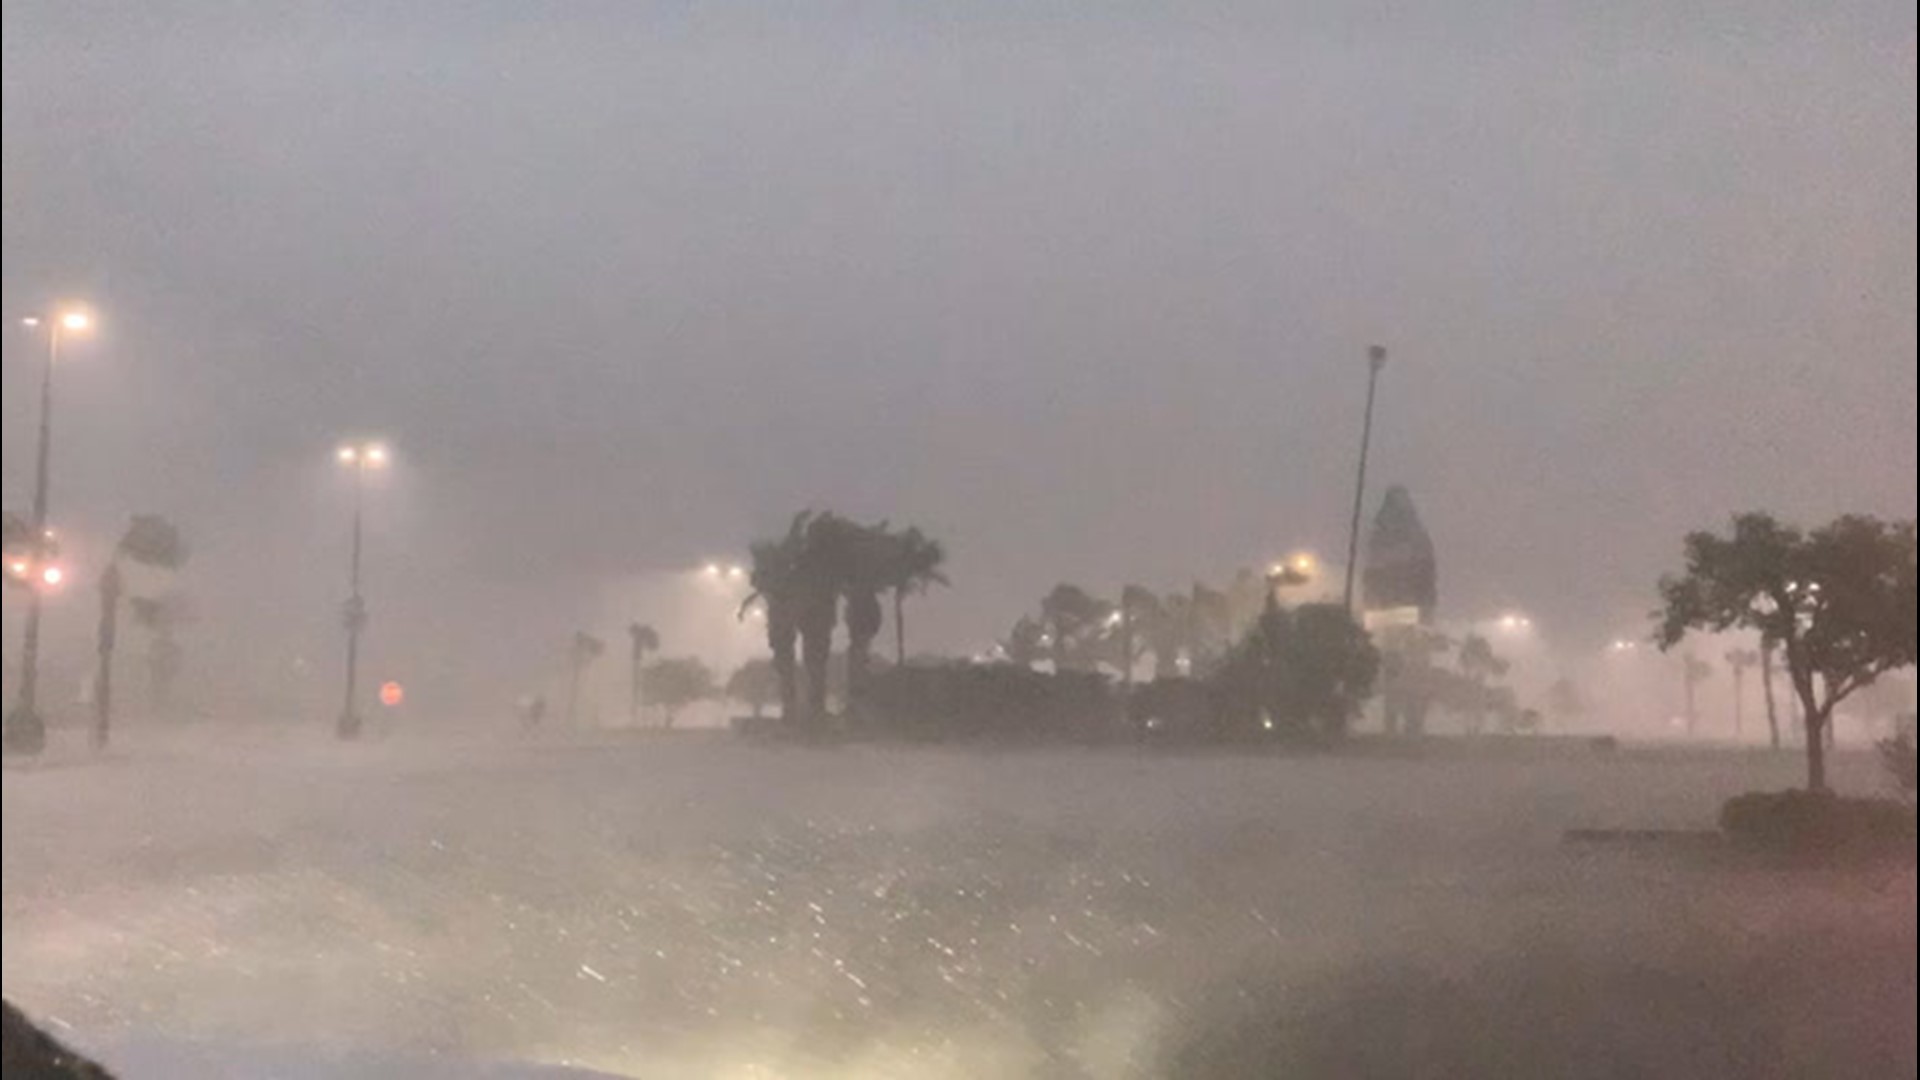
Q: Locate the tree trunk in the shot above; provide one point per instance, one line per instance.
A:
(103, 674)
(781, 635)
(899, 627)
(863, 626)
(1815, 719)
(816, 654)
(1817, 751)
(1766, 687)
(633, 689)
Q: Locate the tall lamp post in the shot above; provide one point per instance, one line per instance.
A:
(1376, 359)
(25, 730)
(359, 457)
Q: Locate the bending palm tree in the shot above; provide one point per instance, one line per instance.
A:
(914, 568)
(150, 540)
(827, 556)
(776, 567)
(871, 553)
(582, 653)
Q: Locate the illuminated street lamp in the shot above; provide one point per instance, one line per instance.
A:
(25, 731)
(360, 457)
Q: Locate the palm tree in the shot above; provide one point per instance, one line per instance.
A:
(1766, 691)
(827, 557)
(643, 640)
(1693, 672)
(914, 568)
(871, 552)
(581, 654)
(776, 588)
(152, 541)
(1738, 661)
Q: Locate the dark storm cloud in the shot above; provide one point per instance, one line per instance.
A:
(1086, 291)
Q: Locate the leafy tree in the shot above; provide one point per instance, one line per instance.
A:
(1479, 666)
(1410, 683)
(1301, 671)
(150, 541)
(641, 640)
(676, 682)
(1024, 643)
(914, 567)
(1073, 622)
(1839, 602)
(581, 653)
(755, 684)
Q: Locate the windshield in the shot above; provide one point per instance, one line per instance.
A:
(1012, 540)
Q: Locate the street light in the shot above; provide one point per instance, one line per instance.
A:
(359, 457)
(24, 730)
(1376, 359)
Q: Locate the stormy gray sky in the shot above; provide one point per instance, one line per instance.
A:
(1083, 289)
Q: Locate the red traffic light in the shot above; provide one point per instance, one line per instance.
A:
(392, 694)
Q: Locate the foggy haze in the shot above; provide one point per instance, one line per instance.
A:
(1085, 293)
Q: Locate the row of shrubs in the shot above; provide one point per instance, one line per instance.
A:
(961, 701)
(1819, 825)
(995, 701)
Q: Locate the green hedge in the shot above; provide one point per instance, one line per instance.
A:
(990, 701)
(1817, 824)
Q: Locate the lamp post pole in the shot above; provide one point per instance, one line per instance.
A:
(1376, 359)
(25, 730)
